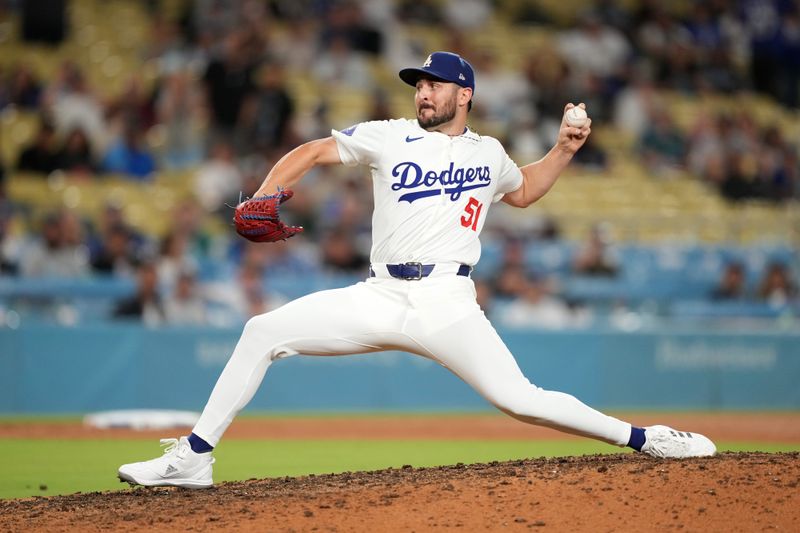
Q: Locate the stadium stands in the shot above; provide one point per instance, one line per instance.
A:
(672, 233)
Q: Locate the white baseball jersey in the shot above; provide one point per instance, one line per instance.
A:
(432, 191)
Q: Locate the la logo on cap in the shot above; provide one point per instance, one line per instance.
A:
(428, 61)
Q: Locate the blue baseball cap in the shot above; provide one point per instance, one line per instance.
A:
(445, 66)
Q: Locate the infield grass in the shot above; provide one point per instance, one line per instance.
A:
(43, 467)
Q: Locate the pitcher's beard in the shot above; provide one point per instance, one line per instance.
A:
(437, 119)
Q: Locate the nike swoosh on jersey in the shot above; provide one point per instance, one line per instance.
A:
(410, 139)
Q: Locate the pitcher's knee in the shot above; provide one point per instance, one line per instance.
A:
(260, 336)
(254, 325)
(522, 402)
(265, 328)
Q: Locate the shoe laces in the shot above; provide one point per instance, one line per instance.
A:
(171, 447)
(664, 439)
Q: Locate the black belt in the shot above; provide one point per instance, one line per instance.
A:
(412, 271)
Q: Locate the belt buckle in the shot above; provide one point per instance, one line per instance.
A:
(418, 275)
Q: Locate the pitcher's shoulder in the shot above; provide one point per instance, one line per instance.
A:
(403, 124)
(484, 142)
(398, 125)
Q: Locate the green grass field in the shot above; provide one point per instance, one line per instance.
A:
(42, 467)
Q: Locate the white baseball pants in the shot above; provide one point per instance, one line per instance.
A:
(435, 317)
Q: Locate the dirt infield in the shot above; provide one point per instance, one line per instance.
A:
(730, 492)
(737, 427)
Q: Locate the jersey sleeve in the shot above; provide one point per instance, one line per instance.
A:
(510, 178)
(362, 143)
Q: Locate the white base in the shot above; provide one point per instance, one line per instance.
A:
(141, 419)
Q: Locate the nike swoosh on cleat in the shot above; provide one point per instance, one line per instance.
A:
(410, 139)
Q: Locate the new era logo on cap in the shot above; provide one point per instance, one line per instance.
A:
(445, 66)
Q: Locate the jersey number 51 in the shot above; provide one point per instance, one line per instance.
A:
(473, 210)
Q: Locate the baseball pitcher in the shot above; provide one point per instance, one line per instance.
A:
(434, 181)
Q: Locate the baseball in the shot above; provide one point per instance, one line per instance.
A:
(576, 117)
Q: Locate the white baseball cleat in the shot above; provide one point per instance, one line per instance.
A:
(665, 442)
(178, 467)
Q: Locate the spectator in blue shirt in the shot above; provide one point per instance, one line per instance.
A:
(128, 155)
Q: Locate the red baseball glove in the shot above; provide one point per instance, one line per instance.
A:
(258, 219)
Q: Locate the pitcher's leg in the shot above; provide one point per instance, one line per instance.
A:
(473, 350)
(239, 380)
(336, 322)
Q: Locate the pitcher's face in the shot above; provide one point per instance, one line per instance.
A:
(436, 102)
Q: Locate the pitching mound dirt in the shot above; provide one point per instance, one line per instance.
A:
(730, 492)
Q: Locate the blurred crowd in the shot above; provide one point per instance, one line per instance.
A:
(191, 278)
(222, 111)
(518, 294)
(222, 69)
